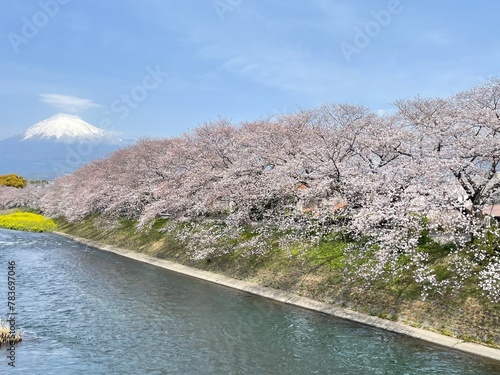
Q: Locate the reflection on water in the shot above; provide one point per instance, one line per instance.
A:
(85, 311)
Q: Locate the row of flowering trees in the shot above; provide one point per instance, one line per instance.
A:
(383, 180)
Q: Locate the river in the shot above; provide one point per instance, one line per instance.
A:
(87, 311)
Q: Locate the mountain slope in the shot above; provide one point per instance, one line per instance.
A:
(63, 127)
(55, 146)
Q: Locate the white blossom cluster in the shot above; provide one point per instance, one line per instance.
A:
(489, 280)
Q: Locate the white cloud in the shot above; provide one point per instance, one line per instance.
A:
(385, 111)
(67, 103)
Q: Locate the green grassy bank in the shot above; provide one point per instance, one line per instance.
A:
(319, 271)
(26, 221)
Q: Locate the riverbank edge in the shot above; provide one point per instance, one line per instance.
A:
(296, 300)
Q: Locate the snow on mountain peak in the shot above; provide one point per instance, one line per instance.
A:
(63, 126)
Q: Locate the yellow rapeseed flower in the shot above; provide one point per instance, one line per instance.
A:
(27, 221)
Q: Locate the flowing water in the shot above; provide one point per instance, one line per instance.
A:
(86, 311)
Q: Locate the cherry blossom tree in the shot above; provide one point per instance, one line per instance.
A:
(27, 198)
(462, 135)
(384, 181)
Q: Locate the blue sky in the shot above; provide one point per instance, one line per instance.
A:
(159, 67)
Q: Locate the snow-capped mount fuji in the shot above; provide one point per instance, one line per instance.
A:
(63, 127)
(55, 146)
